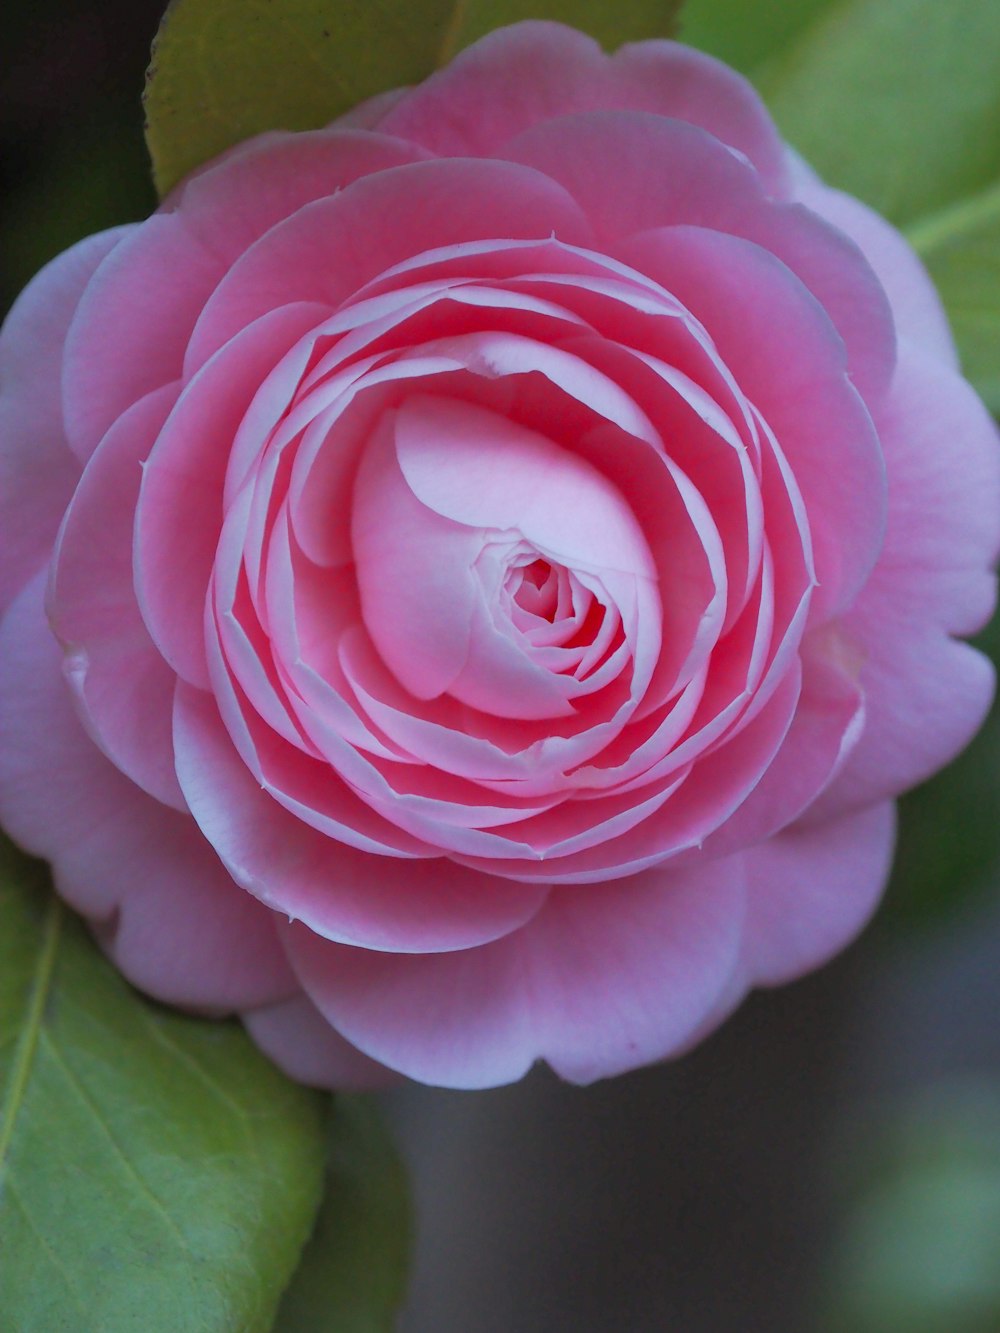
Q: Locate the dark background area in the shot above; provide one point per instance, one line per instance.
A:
(829, 1161)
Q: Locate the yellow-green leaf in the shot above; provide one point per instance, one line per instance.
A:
(225, 70)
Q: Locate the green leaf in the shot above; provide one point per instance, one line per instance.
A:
(353, 1272)
(896, 101)
(612, 25)
(744, 35)
(224, 70)
(156, 1172)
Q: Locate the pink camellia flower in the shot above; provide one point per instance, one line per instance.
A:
(478, 574)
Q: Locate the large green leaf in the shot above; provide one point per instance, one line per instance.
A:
(353, 1272)
(223, 70)
(897, 101)
(156, 1172)
(744, 34)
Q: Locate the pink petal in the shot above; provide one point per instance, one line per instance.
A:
(603, 980)
(414, 570)
(480, 469)
(173, 261)
(179, 515)
(603, 160)
(382, 902)
(503, 756)
(123, 687)
(810, 891)
(789, 361)
(530, 72)
(926, 693)
(169, 914)
(37, 470)
(711, 790)
(916, 306)
(327, 250)
(827, 723)
(300, 1041)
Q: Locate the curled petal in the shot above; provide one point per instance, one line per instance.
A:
(389, 902)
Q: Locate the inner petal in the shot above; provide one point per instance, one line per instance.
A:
(493, 564)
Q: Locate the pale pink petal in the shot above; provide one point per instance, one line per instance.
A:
(37, 469)
(185, 933)
(482, 470)
(302, 1043)
(530, 72)
(603, 980)
(704, 442)
(155, 268)
(828, 721)
(268, 178)
(712, 789)
(926, 693)
(169, 914)
(505, 757)
(942, 452)
(810, 891)
(124, 688)
(414, 571)
(916, 306)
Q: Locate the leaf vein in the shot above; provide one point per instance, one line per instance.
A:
(131, 1169)
(27, 1044)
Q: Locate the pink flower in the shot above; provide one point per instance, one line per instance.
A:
(478, 574)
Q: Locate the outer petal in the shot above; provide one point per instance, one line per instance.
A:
(299, 1039)
(810, 890)
(329, 249)
(531, 72)
(173, 261)
(170, 916)
(926, 693)
(37, 470)
(180, 508)
(124, 688)
(916, 306)
(603, 980)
